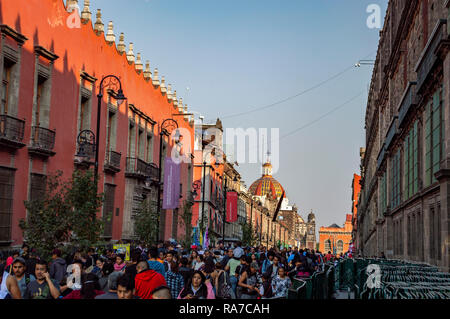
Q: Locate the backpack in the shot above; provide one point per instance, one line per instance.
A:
(223, 287)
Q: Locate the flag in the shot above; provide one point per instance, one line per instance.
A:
(200, 238)
(278, 208)
(196, 239)
(231, 207)
(206, 240)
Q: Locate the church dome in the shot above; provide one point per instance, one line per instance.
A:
(311, 217)
(267, 185)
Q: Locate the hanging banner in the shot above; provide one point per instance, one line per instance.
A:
(206, 240)
(232, 207)
(171, 191)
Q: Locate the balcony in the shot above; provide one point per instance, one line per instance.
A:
(42, 141)
(11, 131)
(137, 168)
(392, 133)
(112, 162)
(407, 104)
(430, 56)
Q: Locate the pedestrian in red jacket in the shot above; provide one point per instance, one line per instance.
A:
(147, 280)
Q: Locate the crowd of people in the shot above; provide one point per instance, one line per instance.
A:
(165, 271)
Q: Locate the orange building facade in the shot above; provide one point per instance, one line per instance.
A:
(356, 190)
(336, 239)
(50, 80)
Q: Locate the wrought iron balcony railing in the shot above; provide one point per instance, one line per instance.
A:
(113, 161)
(140, 168)
(43, 139)
(11, 131)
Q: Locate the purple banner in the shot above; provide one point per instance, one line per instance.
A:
(171, 191)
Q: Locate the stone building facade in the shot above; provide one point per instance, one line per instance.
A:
(403, 209)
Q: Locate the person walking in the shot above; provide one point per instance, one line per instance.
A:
(174, 279)
(249, 281)
(58, 266)
(281, 284)
(196, 288)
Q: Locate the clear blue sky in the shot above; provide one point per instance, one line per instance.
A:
(238, 55)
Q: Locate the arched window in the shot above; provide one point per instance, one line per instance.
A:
(327, 246)
(340, 246)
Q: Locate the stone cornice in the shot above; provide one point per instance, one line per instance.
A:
(6, 30)
(87, 77)
(43, 52)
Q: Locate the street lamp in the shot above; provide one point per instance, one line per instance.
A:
(167, 127)
(364, 62)
(120, 99)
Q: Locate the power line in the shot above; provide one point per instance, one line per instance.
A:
(296, 95)
(313, 121)
(322, 116)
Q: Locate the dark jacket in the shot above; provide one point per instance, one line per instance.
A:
(58, 269)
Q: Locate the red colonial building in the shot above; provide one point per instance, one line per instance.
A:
(51, 64)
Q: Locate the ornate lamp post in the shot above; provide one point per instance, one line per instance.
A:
(167, 127)
(113, 81)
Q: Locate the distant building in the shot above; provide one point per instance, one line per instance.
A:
(356, 190)
(290, 229)
(336, 239)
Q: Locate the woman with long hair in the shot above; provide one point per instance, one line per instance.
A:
(193, 259)
(196, 288)
(249, 282)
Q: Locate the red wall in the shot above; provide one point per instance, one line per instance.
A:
(43, 23)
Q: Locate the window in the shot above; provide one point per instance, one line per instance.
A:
(84, 115)
(420, 235)
(6, 84)
(383, 195)
(131, 131)
(400, 236)
(37, 186)
(433, 136)
(149, 151)
(39, 97)
(409, 236)
(111, 132)
(175, 224)
(432, 233)
(395, 180)
(108, 209)
(6, 202)
(411, 165)
(140, 144)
